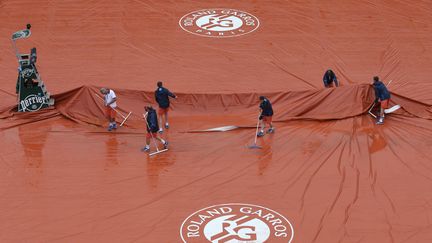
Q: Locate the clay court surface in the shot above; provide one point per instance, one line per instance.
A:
(328, 169)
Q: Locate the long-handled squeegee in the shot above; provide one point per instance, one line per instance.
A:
(254, 145)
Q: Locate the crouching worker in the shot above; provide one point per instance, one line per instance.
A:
(382, 96)
(266, 116)
(329, 79)
(151, 120)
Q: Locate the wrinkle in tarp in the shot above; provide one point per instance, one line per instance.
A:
(84, 105)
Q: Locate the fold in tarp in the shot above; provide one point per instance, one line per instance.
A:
(83, 106)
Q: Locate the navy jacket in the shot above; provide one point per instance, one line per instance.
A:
(266, 108)
(162, 97)
(381, 91)
(329, 78)
(152, 121)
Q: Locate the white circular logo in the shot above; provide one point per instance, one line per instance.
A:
(235, 223)
(219, 23)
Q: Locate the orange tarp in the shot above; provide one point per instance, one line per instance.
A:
(333, 173)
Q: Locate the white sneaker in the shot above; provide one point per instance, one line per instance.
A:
(380, 121)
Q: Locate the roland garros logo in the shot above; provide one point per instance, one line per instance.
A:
(219, 22)
(33, 103)
(236, 222)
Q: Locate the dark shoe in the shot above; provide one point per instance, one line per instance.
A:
(110, 128)
(114, 126)
(166, 125)
(260, 134)
(271, 130)
(166, 145)
(145, 149)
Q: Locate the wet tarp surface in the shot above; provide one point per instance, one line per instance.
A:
(329, 169)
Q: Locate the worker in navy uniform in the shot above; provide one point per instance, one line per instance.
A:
(266, 116)
(382, 96)
(152, 128)
(162, 96)
(329, 79)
